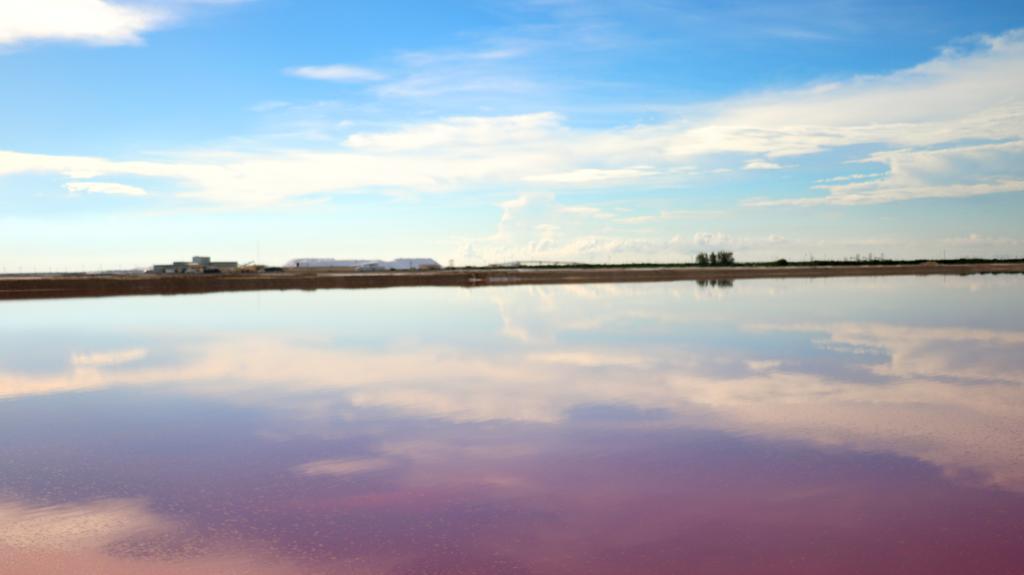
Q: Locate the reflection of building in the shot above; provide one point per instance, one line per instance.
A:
(366, 265)
(198, 265)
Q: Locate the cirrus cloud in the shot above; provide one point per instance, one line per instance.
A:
(336, 73)
(107, 188)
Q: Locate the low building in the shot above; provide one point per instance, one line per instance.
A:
(325, 263)
(399, 264)
(198, 265)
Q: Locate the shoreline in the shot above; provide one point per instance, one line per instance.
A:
(77, 286)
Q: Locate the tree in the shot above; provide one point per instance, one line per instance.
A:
(719, 258)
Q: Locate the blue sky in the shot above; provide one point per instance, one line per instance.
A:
(641, 130)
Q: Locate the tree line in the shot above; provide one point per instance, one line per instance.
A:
(719, 258)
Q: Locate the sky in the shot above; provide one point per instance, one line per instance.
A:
(138, 132)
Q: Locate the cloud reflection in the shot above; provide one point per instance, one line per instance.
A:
(344, 467)
(112, 537)
(949, 396)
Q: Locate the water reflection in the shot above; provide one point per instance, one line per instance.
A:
(715, 283)
(113, 536)
(603, 429)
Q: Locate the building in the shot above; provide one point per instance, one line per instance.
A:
(326, 263)
(407, 264)
(198, 265)
(400, 264)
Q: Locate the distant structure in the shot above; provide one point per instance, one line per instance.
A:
(404, 264)
(536, 264)
(326, 263)
(401, 264)
(198, 265)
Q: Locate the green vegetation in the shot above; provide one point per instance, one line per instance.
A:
(720, 258)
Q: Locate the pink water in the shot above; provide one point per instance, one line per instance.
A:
(774, 427)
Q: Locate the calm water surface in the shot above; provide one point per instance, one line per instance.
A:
(772, 427)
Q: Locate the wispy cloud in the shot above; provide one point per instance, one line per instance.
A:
(505, 51)
(463, 133)
(344, 467)
(106, 188)
(849, 177)
(723, 240)
(960, 171)
(761, 165)
(110, 358)
(540, 227)
(485, 68)
(336, 73)
(591, 211)
(590, 175)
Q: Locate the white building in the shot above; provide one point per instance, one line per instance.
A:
(325, 263)
(400, 264)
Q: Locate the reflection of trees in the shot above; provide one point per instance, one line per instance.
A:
(714, 283)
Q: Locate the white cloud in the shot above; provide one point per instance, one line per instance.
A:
(711, 239)
(950, 127)
(455, 81)
(961, 171)
(761, 165)
(590, 211)
(108, 358)
(507, 51)
(108, 188)
(590, 175)
(952, 97)
(538, 227)
(336, 73)
(850, 177)
(464, 134)
(90, 21)
(722, 240)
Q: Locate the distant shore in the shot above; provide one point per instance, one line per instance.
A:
(23, 287)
